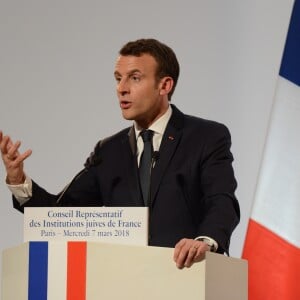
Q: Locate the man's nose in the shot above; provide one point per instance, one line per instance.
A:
(123, 87)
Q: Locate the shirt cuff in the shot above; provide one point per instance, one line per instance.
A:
(209, 241)
(22, 192)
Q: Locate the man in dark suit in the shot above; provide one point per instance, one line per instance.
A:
(191, 191)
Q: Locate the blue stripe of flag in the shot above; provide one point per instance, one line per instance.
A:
(38, 271)
(290, 65)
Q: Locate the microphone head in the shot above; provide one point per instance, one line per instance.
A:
(155, 155)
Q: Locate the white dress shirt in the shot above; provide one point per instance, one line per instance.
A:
(158, 128)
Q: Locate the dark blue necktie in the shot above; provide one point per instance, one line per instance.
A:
(145, 164)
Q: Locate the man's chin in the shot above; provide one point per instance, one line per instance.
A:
(127, 116)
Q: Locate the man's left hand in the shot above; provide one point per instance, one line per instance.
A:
(189, 251)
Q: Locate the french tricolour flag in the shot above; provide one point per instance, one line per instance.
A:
(64, 279)
(272, 245)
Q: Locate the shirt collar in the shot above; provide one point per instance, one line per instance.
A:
(158, 126)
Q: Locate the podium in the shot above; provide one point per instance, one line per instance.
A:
(91, 271)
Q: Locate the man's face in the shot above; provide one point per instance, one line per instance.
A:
(138, 90)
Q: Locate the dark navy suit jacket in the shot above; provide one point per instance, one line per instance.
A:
(192, 184)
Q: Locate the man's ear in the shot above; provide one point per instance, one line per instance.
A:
(166, 85)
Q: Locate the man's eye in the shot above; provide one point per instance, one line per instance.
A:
(135, 78)
(118, 79)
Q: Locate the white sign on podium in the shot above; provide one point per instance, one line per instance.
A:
(121, 225)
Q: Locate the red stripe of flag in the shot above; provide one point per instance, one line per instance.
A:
(76, 271)
(274, 265)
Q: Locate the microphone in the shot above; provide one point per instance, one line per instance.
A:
(93, 160)
(65, 189)
(155, 158)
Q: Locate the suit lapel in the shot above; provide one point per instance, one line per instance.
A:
(169, 144)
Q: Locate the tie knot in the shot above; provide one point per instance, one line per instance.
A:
(147, 135)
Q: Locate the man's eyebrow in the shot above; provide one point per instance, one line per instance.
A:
(134, 71)
(117, 73)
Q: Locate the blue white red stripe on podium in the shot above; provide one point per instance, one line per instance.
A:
(64, 278)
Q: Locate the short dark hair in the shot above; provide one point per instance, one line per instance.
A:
(167, 63)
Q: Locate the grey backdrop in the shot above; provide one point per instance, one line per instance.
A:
(58, 93)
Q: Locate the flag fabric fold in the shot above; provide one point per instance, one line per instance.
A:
(272, 245)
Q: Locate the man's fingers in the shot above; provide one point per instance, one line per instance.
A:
(16, 161)
(13, 159)
(192, 252)
(188, 251)
(7, 147)
(178, 248)
(4, 144)
(10, 152)
(13, 150)
(21, 157)
(181, 252)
